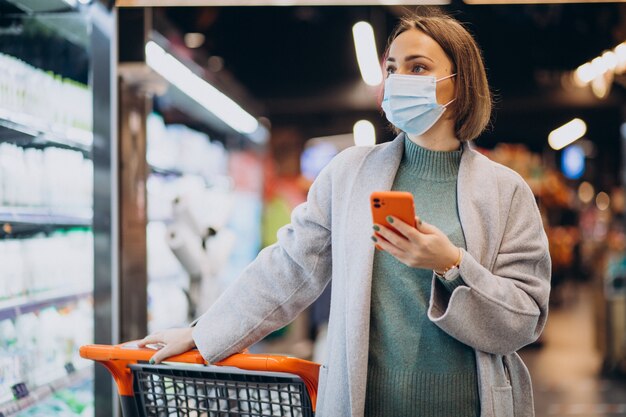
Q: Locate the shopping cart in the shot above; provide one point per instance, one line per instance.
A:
(241, 385)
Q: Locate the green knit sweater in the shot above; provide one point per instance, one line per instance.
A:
(414, 367)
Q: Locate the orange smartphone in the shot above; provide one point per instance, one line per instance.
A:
(398, 204)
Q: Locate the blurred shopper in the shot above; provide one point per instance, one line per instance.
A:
(429, 325)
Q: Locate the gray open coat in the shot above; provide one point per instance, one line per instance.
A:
(502, 307)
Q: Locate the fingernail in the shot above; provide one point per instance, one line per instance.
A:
(374, 239)
(151, 361)
(389, 219)
(375, 227)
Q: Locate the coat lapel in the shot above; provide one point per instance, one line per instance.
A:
(370, 177)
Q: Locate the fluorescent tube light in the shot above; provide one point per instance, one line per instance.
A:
(364, 133)
(366, 55)
(584, 74)
(620, 52)
(599, 66)
(610, 59)
(199, 90)
(614, 61)
(566, 134)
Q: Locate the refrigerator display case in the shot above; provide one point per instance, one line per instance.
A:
(204, 203)
(204, 188)
(46, 209)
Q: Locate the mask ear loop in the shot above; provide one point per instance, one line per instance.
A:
(448, 103)
(445, 78)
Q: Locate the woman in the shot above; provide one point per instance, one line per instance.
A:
(429, 325)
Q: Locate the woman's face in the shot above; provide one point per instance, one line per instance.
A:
(415, 53)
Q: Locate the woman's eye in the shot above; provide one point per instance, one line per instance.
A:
(418, 68)
(390, 70)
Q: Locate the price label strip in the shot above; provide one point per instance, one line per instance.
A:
(19, 391)
(70, 368)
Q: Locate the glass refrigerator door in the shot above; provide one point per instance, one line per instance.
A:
(46, 212)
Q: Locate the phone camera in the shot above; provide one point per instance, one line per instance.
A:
(377, 200)
(377, 205)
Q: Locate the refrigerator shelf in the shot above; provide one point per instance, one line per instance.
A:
(16, 306)
(23, 127)
(46, 216)
(166, 172)
(11, 406)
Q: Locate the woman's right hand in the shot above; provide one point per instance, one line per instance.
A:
(174, 341)
(423, 246)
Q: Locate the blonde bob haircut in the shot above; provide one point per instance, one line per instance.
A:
(472, 107)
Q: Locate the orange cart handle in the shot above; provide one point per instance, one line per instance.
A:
(131, 353)
(116, 359)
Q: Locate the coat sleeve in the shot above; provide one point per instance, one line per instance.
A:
(502, 310)
(282, 281)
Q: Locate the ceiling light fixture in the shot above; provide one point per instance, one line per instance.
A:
(194, 40)
(584, 74)
(620, 52)
(199, 90)
(610, 61)
(586, 192)
(364, 133)
(603, 201)
(566, 134)
(366, 54)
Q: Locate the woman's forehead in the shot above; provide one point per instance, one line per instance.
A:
(414, 42)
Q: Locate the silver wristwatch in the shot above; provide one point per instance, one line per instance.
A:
(450, 275)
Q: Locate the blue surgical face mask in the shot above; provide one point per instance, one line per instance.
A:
(410, 102)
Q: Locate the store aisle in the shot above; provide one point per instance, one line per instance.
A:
(565, 369)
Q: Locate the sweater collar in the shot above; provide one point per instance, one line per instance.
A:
(431, 165)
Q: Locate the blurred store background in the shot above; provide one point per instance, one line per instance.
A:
(148, 152)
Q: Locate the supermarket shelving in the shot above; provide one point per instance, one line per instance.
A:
(46, 216)
(16, 306)
(11, 406)
(67, 37)
(22, 127)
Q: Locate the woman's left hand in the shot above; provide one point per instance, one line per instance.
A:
(424, 246)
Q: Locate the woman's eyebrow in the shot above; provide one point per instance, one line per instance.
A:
(409, 58)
